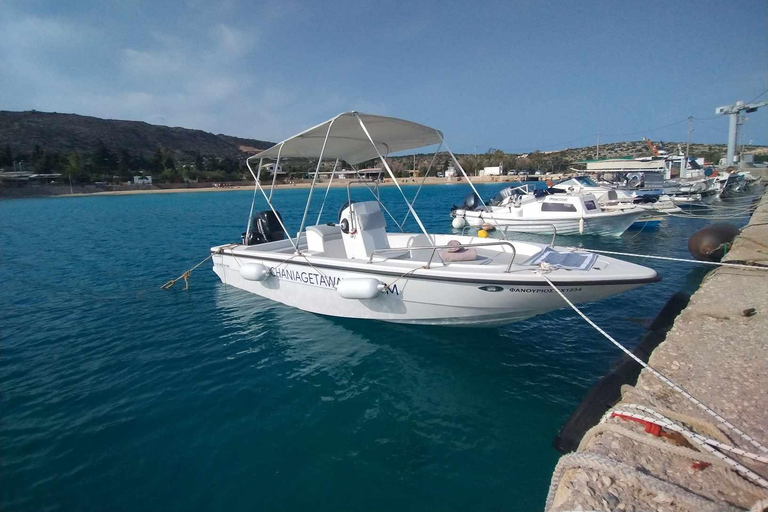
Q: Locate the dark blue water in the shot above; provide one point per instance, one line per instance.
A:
(120, 396)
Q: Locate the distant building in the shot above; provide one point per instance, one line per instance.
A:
(142, 180)
(270, 168)
(450, 172)
(492, 171)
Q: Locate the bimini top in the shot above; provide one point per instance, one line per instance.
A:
(348, 141)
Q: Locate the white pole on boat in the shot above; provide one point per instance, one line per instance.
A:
(253, 201)
(314, 180)
(394, 179)
(456, 161)
(327, 189)
(688, 144)
(377, 195)
(424, 179)
(274, 171)
(277, 216)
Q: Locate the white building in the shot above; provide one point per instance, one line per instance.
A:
(142, 180)
(492, 171)
(271, 167)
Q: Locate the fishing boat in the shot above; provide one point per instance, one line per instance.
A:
(355, 268)
(519, 209)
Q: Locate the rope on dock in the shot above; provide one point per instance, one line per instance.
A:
(755, 491)
(185, 276)
(753, 266)
(627, 473)
(658, 374)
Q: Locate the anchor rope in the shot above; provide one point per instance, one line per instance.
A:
(658, 374)
(185, 275)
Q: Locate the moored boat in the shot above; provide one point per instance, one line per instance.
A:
(355, 268)
(518, 209)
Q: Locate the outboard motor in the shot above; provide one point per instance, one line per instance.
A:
(265, 227)
(471, 202)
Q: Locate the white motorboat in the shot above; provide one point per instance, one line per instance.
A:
(518, 209)
(611, 198)
(354, 268)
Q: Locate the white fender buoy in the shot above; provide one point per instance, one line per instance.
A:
(458, 222)
(581, 226)
(360, 288)
(254, 272)
(475, 221)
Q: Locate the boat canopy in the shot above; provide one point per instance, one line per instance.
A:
(348, 141)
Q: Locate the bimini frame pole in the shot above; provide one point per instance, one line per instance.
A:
(394, 179)
(423, 180)
(314, 180)
(377, 196)
(327, 189)
(455, 161)
(253, 201)
(274, 172)
(256, 177)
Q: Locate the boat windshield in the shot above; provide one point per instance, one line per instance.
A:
(586, 181)
(514, 190)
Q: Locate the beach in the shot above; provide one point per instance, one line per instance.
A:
(173, 188)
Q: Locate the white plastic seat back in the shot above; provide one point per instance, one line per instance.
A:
(368, 230)
(326, 240)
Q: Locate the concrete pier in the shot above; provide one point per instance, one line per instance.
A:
(718, 351)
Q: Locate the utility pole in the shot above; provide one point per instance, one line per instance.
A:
(597, 156)
(684, 166)
(733, 112)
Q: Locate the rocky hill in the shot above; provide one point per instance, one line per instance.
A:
(61, 133)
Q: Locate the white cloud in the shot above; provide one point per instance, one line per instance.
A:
(209, 82)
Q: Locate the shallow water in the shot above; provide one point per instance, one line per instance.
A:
(117, 395)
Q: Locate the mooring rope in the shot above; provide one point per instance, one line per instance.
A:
(658, 374)
(631, 476)
(185, 276)
(701, 441)
(755, 266)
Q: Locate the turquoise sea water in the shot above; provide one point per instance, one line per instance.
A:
(117, 395)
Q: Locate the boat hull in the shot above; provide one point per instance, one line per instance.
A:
(411, 300)
(608, 224)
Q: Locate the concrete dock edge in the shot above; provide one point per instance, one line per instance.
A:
(718, 351)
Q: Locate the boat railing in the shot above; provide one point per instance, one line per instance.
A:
(466, 229)
(436, 247)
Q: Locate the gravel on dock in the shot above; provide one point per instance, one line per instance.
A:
(718, 351)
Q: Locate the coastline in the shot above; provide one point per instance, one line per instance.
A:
(123, 190)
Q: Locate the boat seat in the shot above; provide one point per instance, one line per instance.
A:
(326, 240)
(369, 233)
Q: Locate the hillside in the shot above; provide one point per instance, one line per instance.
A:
(61, 133)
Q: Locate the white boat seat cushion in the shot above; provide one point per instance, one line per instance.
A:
(326, 240)
(370, 231)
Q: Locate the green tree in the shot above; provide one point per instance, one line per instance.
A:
(73, 166)
(6, 157)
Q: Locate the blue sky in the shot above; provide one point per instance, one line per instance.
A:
(512, 75)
